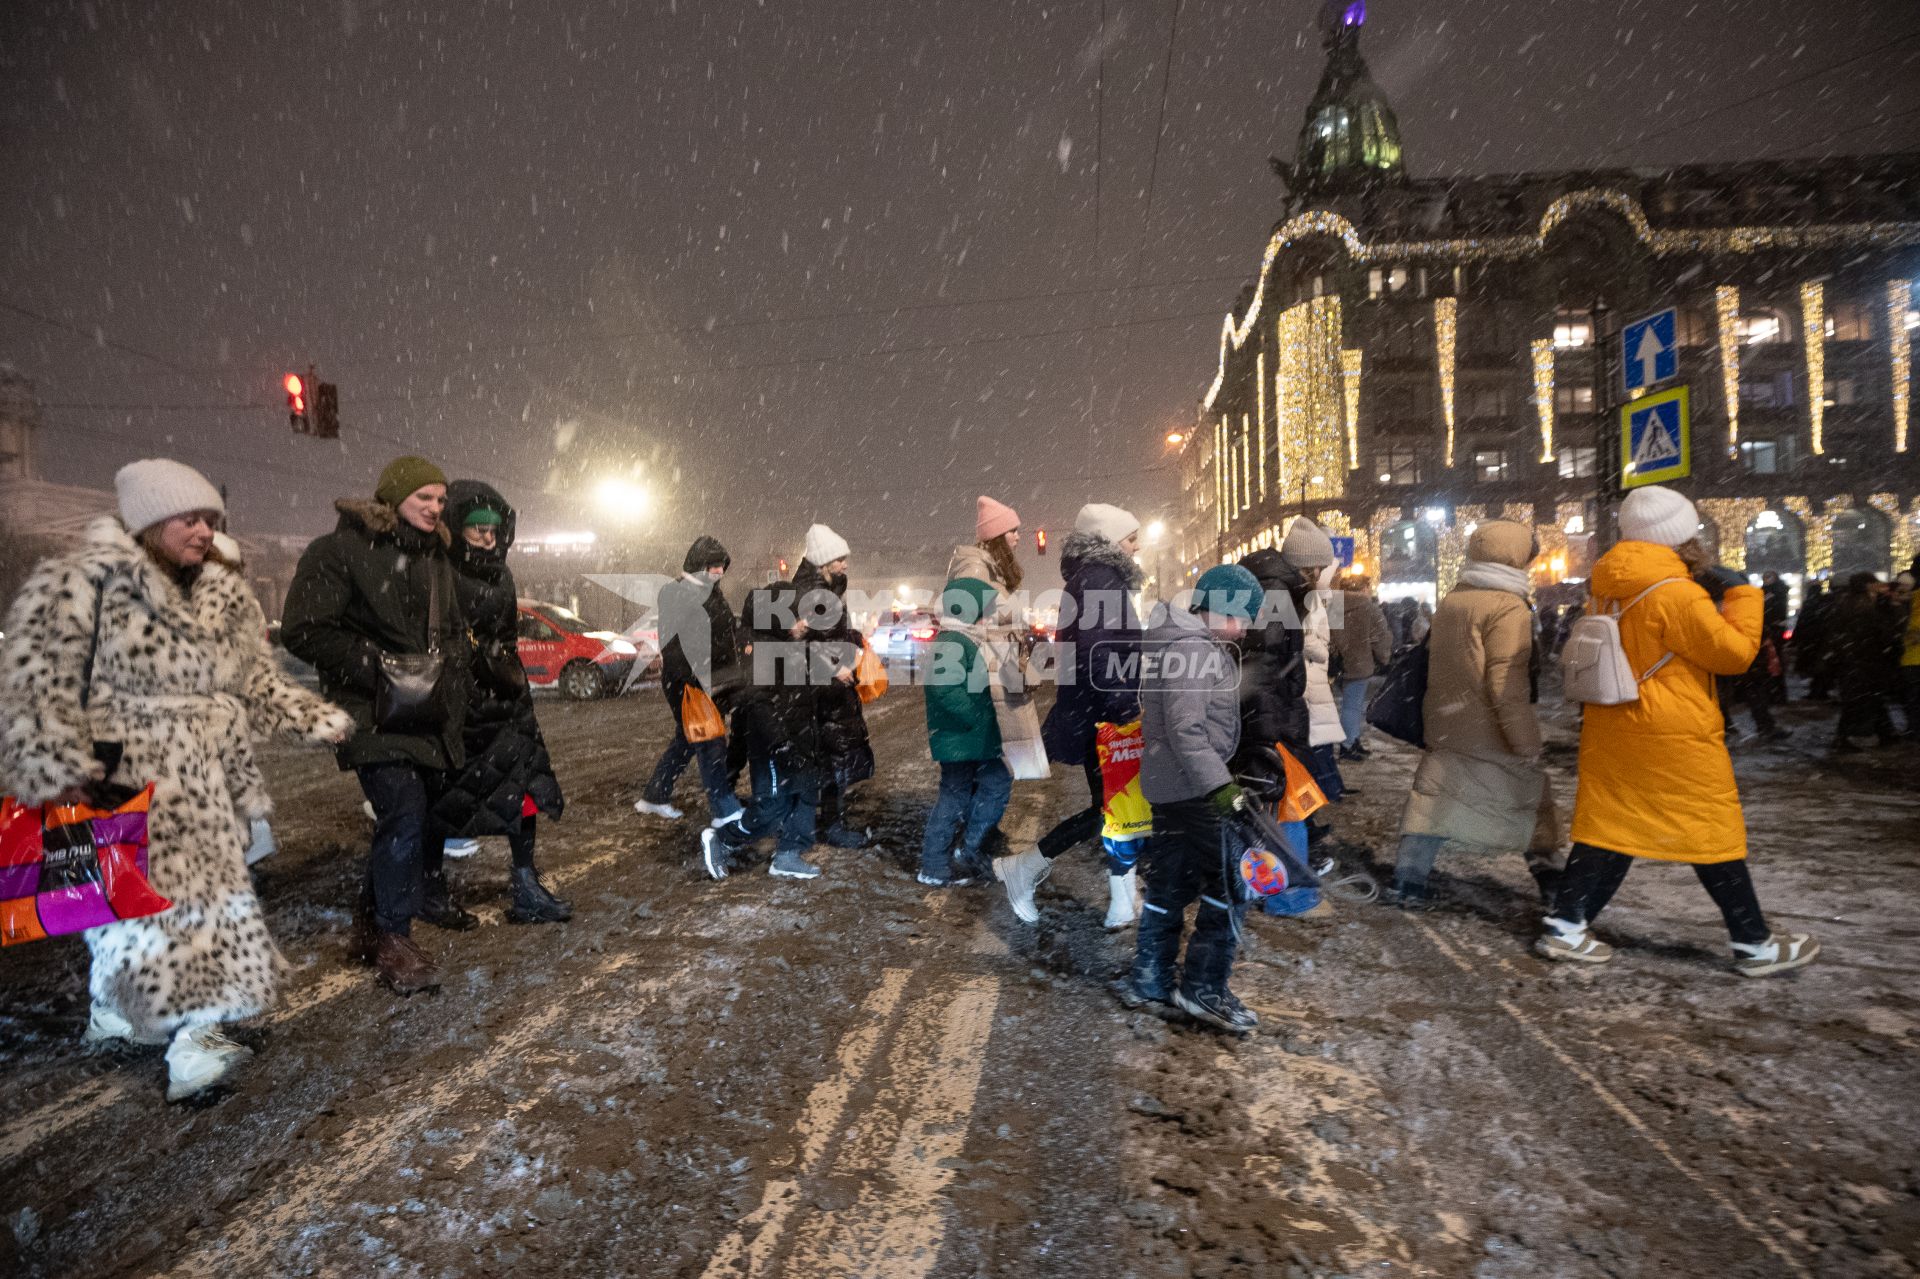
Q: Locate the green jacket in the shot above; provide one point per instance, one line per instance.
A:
(360, 591)
(961, 725)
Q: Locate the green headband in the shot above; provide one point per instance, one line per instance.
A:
(481, 515)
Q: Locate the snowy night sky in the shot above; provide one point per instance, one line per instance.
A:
(721, 247)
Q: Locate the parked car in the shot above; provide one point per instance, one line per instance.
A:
(905, 638)
(559, 650)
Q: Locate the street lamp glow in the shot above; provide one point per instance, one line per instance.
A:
(1156, 530)
(621, 497)
(1175, 439)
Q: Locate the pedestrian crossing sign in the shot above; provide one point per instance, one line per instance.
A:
(1656, 443)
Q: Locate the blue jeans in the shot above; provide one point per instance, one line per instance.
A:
(973, 795)
(1353, 709)
(1414, 862)
(712, 758)
(784, 805)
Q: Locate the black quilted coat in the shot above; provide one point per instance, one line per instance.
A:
(843, 723)
(506, 756)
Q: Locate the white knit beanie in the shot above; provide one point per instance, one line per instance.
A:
(824, 546)
(1106, 521)
(158, 488)
(1658, 515)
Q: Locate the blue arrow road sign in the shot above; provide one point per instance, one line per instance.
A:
(1342, 551)
(1650, 350)
(1656, 439)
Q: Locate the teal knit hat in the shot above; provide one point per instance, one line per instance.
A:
(1227, 590)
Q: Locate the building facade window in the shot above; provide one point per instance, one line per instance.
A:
(1575, 461)
(1489, 401)
(1842, 391)
(1772, 392)
(1572, 329)
(1758, 327)
(1573, 399)
(1399, 465)
(1763, 457)
(1397, 281)
(1490, 464)
(1849, 322)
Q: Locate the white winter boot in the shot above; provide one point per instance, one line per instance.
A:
(200, 1058)
(1021, 874)
(104, 1025)
(1123, 900)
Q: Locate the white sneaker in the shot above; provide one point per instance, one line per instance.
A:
(261, 844)
(105, 1025)
(736, 819)
(200, 1058)
(713, 854)
(1570, 941)
(461, 848)
(1776, 954)
(1123, 900)
(1022, 874)
(367, 808)
(667, 811)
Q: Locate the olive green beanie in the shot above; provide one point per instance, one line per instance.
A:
(404, 477)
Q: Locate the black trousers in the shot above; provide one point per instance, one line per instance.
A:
(1084, 825)
(407, 842)
(1593, 875)
(1755, 690)
(1182, 864)
(520, 843)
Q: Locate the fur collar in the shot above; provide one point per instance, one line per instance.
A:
(380, 520)
(1078, 549)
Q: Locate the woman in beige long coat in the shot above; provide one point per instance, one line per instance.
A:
(1480, 782)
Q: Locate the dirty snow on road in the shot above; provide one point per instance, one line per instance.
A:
(859, 1076)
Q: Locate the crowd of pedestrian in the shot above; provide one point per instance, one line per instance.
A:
(1253, 684)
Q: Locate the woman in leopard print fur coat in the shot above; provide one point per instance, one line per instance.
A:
(182, 678)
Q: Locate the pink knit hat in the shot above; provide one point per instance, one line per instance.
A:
(993, 519)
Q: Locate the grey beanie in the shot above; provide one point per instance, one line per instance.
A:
(1305, 546)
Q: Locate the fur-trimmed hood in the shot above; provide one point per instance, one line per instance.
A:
(1088, 549)
(376, 519)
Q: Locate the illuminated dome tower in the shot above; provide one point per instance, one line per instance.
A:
(1350, 136)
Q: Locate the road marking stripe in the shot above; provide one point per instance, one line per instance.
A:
(820, 1121)
(242, 1244)
(895, 1228)
(85, 1102)
(1620, 1108)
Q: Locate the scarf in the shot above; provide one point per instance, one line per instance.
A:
(1496, 577)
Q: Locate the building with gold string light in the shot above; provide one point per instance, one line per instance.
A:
(1416, 355)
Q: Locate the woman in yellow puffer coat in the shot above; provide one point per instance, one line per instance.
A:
(1655, 777)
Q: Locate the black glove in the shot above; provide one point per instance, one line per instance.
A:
(1718, 579)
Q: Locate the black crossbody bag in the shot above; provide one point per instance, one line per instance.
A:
(408, 698)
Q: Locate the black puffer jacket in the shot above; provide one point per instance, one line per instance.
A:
(774, 712)
(693, 608)
(506, 756)
(363, 590)
(1096, 644)
(843, 724)
(1273, 671)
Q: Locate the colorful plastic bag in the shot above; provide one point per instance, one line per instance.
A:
(869, 675)
(700, 719)
(69, 867)
(1123, 806)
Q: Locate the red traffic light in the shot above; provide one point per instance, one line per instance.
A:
(1040, 540)
(296, 394)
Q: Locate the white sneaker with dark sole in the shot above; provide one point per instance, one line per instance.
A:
(648, 809)
(1777, 954)
(713, 854)
(458, 848)
(1571, 942)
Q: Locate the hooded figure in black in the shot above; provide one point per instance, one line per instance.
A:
(699, 647)
(822, 589)
(1273, 669)
(507, 781)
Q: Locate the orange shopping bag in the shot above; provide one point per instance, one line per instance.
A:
(869, 674)
(1301, 797)
(699, 718)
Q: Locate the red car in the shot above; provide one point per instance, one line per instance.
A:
(559, 650)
